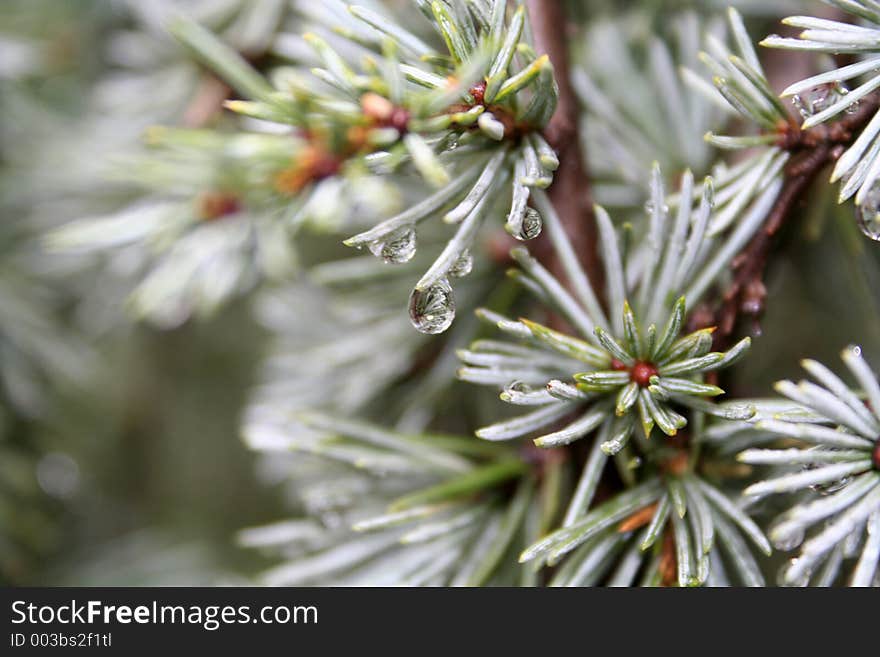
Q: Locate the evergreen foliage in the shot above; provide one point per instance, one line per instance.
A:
(223, 159)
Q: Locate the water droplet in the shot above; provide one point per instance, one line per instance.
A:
(821, 98)
(531, 225)
(842, 90)
(514, 392)
(709, 191)
(649, 208)
(433, 309)
(463, 266)
(868, 214)
(831, 486)
(400, 247)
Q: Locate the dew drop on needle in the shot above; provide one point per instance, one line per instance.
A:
(398, 248)
(432, 309)
(531, 225)
(463, 265)
(868, 214)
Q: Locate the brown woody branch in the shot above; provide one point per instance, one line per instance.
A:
(207, 101)
(570, 193)
(211, 93)
(811, 151)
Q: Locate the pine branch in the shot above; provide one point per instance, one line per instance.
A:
(812, 150)
(570, 193)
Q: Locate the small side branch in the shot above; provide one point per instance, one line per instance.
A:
(811, 151)
(747, 292)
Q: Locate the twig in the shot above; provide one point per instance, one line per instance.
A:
(207, 101)
(570, 192)
(811, 151)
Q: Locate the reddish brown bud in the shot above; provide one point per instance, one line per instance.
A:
(214, 205)
(641, 373)
(325, 166)
(478, 91)
(399, 120)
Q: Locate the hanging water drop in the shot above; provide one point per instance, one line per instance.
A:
(516, 392)
(709, 192)
(842, 90)
(463, 265)
(812, 102)
(432, 310)
(400, 247)
(821, 98)
(531, 225)
(868, 214)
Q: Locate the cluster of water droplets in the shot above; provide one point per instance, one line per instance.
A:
(649, 207)
(868, 214)
(399, 247)
(821, 98)
(432, 309)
